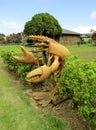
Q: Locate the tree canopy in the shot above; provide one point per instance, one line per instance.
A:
(43, 24)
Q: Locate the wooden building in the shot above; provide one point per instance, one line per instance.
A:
(69, 37)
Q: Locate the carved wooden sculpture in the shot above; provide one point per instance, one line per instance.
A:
(53, 55)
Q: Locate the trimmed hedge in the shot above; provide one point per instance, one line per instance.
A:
(78, 78)
(20, 69)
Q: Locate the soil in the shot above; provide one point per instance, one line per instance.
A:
(63, 111)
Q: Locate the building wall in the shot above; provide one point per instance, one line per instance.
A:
(69, 39)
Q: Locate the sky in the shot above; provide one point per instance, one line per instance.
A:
(74, 15)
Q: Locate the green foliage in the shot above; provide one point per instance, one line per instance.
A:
(1, 34)
(43, 24)
(78, 78)
(81, 41)
(89, 41)
(2, 38)
(8, 60)
(23, 69)
(19, 68)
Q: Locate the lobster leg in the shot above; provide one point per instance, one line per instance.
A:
(44, 98)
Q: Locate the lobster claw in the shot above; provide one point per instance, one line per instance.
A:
(39, 74)
(28, 57)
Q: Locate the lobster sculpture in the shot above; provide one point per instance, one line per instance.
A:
(51, 60)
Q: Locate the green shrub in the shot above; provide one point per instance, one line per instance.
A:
(8, 59)
(19, 68)
(78, 78)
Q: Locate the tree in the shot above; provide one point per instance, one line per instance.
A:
(14, 38)
(2, 38)
(1, 34)
(43, 24)
(94, 38)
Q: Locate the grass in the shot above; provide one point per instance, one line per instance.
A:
(9, 48)
(17, 112)
(85, 52)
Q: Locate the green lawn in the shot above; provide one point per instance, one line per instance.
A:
(9, 48)
(86, 52)
(18, 113)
